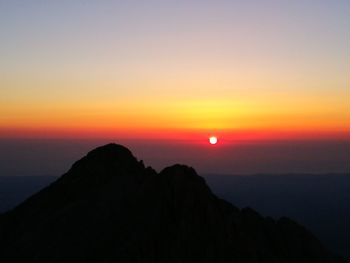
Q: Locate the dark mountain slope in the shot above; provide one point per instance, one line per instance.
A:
(109, 208)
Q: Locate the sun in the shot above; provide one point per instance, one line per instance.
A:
(213, 140)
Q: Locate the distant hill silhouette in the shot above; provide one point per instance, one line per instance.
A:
(110, 208)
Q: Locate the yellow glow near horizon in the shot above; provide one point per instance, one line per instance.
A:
(218, 69)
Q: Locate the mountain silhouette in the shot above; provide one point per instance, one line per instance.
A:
(110, 208)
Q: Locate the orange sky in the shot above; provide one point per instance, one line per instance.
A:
(185, 71)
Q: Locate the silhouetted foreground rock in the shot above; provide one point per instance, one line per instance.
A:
(109, 208)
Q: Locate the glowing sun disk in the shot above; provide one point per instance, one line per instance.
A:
(213, 140)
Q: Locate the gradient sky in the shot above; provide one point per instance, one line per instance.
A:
(175, 69)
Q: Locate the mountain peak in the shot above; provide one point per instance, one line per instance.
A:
(111, 149)
(111, 152)
(109, 208)
(109, 158)
(180, 175)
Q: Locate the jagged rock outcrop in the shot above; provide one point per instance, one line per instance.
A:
(110, 208)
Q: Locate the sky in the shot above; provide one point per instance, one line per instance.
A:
(175, 70)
